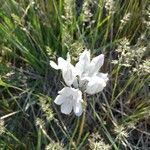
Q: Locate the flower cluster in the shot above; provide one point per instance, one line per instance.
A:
(83, 77)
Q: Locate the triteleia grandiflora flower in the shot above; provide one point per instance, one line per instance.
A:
(84, 77)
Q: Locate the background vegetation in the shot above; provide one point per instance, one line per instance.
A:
(33, 32)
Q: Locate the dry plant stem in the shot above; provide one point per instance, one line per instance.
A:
(82, 120)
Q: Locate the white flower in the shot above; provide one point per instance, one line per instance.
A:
(90, 79)
(85, 67)
(68, 70)
(70, 99)
(85, 76)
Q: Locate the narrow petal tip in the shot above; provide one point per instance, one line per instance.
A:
(54, 65)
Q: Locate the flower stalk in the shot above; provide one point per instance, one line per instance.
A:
(82, 119)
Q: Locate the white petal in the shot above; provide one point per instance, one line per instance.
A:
(103, 76)
(84, 61)
(68, 57)
(95, 85)
(65, 91)
(68, 75)
(62, 63)
(78, 109)
(59, 99)
(75, 83)
(66, 107)
(96, 64)
(54, 65)
(79, 99)
(85, 56)
(77, 95)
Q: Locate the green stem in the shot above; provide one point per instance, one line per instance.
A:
(82, 120)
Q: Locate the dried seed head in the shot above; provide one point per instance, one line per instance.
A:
(2, 127)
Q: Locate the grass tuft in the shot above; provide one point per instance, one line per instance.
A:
(35, 32)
